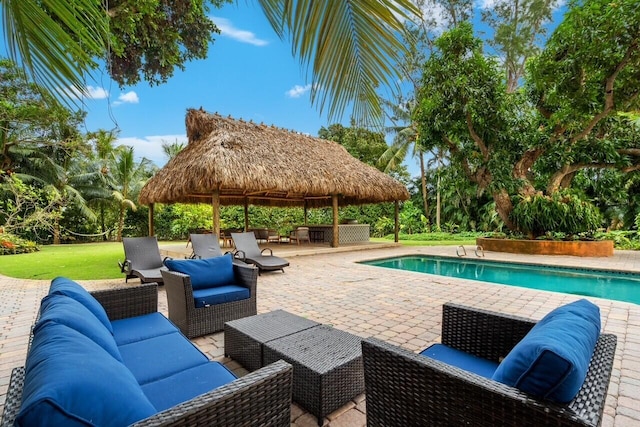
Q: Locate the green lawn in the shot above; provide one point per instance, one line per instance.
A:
(85, 261)
(91, 261)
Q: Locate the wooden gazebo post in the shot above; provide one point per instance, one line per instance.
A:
(215, 204)
(246, 214)
(306, 218)
(151, 225)
(336, 237)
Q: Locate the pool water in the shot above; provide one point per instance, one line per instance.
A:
(602, 284)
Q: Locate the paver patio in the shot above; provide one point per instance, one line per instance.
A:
(401, 307)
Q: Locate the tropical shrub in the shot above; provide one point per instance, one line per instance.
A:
(561, 212)
(11, 244)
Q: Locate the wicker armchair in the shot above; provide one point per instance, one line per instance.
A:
(195, 322)
(404, 388)
(268, 389)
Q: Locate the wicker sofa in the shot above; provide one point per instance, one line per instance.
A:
(404, 388)
(184, 285)
(159, 378)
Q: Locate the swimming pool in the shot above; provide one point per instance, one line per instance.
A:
(602, 284)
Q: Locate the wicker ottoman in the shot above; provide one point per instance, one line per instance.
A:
(327, 367)
(244, 338)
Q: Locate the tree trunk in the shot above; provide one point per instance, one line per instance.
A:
(438, 204)
(423, 180)
(504, 207)
(120, 224)
(56, 232)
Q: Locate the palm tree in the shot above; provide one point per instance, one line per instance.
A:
(406, 138)
(127, 179)
(350, 46)
(103, 145)
(172, 149)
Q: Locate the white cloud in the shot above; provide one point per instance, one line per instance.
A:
(151, 146)
(228, 30)
(127, 98)
(436, 16)
(297, 91)
(97, 92)
(90, 92)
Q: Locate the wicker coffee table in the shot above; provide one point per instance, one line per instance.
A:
(244, 338)
(327, 367)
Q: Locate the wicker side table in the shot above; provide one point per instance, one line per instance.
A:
(327, 367)
(244, 338)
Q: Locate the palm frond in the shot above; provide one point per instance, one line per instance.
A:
(55, 41)
(351, 46)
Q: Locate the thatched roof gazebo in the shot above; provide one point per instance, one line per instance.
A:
(233, 162)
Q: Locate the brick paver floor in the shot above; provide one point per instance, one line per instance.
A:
(401, 307)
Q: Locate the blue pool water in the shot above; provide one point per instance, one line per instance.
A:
(602, 284)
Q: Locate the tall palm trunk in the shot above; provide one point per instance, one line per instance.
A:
(423, 179)
(120, 223)
(438, 203)
(56, 231)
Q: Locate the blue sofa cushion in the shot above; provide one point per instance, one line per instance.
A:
(552, 360)
(69, 312)
(140, 328)
(219, 295)
(460, 359)
(206, 272)
(186, 385)
(160, 357)
(72, 381)
(64, 286)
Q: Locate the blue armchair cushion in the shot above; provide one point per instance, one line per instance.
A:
(185, 385)
(460, 359)
(64, 286)
(219, 295)
(72, 381)
(552, 360)
(138, 328)
(69, 312)
(160, 357)
(206, 272)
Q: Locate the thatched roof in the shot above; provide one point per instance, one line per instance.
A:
(265, 165)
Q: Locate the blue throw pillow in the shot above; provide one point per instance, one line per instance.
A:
(71, 381)
(69, 312)
(206, 272)
(64, 286)
(552, 360)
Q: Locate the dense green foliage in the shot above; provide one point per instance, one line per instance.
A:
(569, 119)
(11, 245)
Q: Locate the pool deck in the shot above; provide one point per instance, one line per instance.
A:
(400, 307)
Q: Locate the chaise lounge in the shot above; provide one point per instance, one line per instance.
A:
(561, 382)
(109, 358)
(142, 259)
(247, 250)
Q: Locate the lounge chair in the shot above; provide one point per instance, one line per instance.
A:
(248, 251)
(142, 259)
(205, 246)
(405, 388)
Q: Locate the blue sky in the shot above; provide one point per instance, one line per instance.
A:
(250, 74)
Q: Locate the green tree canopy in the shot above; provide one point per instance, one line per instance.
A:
(519, 144)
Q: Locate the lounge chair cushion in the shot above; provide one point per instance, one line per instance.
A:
(64, 286)
(72, 381)
(160, 357)
(185, 385)
(460, 359)
(139, 328)
(206, 272)
(552, 360)
(219, 295)
(69, 312)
